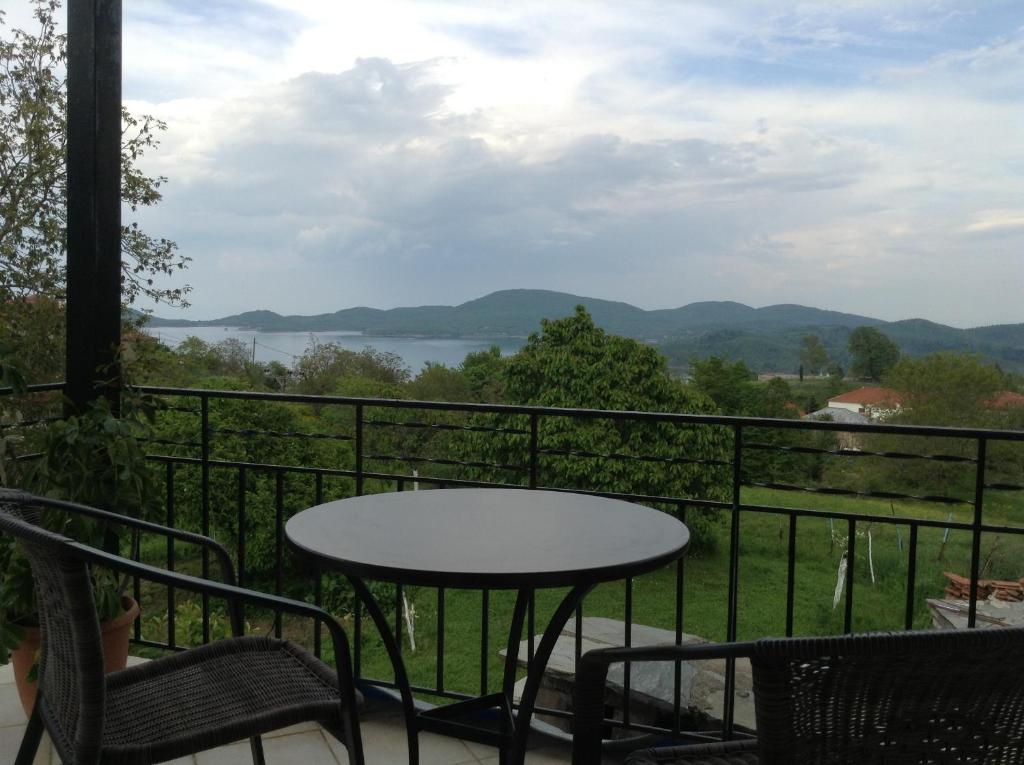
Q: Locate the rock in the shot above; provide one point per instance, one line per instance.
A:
(652, 684)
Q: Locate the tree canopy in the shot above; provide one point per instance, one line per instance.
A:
(872, 353)
(813, 354)
(956, 389)
(33, 188)
(574, 364)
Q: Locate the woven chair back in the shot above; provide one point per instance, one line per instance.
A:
(71, 677)
(938, 696)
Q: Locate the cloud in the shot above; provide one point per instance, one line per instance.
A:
(996, 222)
(433, 152)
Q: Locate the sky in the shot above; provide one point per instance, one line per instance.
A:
(859, 156)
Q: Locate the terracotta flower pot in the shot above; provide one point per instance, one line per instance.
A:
(115, 633)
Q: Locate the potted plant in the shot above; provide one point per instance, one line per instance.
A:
(94, 458)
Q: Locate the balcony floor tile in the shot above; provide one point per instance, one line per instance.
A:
(383, 742)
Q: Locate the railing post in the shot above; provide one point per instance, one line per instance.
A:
(171, 601)
(908, 621)
(93, 201)
(533, 449)
(204, 408)
(734, 578)
(359, 450)
(790, 574)
(851, 556)
(979, 500)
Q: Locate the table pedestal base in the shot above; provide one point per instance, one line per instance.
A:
(512, 736)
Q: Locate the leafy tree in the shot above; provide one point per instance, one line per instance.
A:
(813, 355)
(956, 389)
(872, 353)
(835, 377)
(234, 355)
(324, 365)
(730, 386)
(572, 363)
(33, 183)
(484, 373)
(437, 382)
(949, 389)
(736, 391)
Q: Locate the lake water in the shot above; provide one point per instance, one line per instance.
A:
(288, 346)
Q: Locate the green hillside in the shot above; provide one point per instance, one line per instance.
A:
(766, 339)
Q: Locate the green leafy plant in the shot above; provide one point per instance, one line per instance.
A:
(94, 458)
(188, 624)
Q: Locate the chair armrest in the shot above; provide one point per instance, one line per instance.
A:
(223, 558)
(592, 674)
(233, 594)
(721, 751)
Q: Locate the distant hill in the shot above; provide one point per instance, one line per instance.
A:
(767, 339)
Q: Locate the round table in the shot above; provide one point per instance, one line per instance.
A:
(486, 539)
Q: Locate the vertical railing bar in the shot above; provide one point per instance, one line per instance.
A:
(578, 647)
(733, 594)
(399, 594)
(359, 450)
(204, 406)
(278, 545)
(851, 554)
(171, 600)
(979, 499)
(439, 682)
(534, 455)
(531, 625)
(628, 641)
(911, 577)
(242, 527)
(485, 608)
(136, 553)
(677, 667)
(318, 574)
(791, 574)
(357, 648)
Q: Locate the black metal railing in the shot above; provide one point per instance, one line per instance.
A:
(388, 445)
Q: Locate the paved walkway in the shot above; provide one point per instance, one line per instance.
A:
(383, 742)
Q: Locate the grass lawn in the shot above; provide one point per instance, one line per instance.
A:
(878, 604)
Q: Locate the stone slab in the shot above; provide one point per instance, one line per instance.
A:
(652, 684)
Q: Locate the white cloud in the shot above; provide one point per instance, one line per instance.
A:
(845, 155)
(996, 221)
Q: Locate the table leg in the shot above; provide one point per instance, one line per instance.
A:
(515, 635)
(395, 654)
(517, 753)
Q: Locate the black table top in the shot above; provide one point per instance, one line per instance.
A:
(493, 538)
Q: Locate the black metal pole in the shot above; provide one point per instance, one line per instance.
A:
(94, 200)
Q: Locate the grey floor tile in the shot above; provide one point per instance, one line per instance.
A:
(233, 754)
(309, 747)
(10, 740)
(303, 727)
(11, 711)
(384, 743)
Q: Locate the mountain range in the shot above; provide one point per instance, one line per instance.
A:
(767, 339)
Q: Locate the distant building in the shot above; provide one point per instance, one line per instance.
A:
(873, 402)
(844, 440)
(878, 403)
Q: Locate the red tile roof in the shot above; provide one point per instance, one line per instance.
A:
(1005, 399)
(869, 396)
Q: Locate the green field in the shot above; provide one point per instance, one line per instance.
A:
(877, 605)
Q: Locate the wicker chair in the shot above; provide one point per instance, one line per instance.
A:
(171, 707)
(904, 697)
